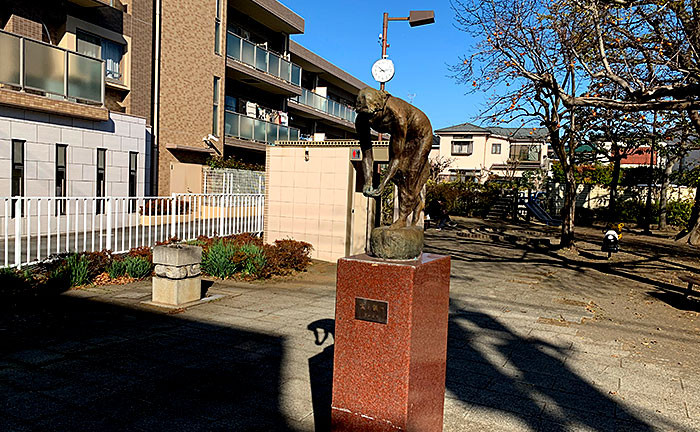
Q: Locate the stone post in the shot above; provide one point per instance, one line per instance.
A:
(178, 275)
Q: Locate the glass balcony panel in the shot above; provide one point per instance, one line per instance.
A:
(231, 124)
(272, 131)
(44, 67)
(284, 133)
(274, 65)
(260, 129)
(246, 127)
(293, 134)
(9, 66)
(233, 46)
(261, 59)
(248, 53)
(84, 78)
(296, 75)
(285, 70)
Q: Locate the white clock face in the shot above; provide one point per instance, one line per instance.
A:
(383, 70)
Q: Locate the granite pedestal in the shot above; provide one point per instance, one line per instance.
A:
(390, 344)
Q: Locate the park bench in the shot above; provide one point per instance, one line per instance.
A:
(690, 280)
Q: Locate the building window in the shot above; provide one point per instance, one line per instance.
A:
(61, 150)
(496, 148)
(100, 178)
(133, 179)
(462, 145)
(110, 52)
(217, 28)
(215, 120)
(17, 172)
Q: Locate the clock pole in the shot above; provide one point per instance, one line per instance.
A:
(385, 27)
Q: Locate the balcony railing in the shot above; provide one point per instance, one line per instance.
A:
(247, 52)
(32, 65)
(240, 126)
(326, 105)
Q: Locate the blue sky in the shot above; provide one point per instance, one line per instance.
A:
(346, 33)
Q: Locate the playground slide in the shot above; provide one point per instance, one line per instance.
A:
(540, 213)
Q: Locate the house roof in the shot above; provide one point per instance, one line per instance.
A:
(516, 133)
(641, 156)
(464, 127)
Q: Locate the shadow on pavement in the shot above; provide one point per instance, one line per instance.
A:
(496, 370)
(71, 364)
(535, 386)
(321, 374)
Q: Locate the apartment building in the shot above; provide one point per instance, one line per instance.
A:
(75, 97)
(483, 153)
(232, 83)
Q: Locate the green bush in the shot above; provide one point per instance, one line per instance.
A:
(13, 282)
(116, 269)
(79, 269)
(678, 212)
(254, 259)
(221, 259)
(462, 198)
(137, 267)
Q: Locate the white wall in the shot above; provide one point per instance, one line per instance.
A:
(41, 132)
(481, 159)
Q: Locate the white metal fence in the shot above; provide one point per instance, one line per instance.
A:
(35, 227)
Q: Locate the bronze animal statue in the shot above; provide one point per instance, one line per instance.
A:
(409, 147)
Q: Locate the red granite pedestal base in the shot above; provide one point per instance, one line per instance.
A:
(390, 344)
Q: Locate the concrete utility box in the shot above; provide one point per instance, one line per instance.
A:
(178, 278)
(314, 194)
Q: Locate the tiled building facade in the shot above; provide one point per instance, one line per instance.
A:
(198, 77)
(237, 84)
(76, 98)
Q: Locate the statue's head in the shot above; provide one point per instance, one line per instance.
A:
(370, 101)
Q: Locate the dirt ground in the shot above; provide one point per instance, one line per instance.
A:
(644, 305)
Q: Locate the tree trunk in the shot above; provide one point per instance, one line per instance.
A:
(663, 198)
(569, 210)
(614, 183)
(693, 234)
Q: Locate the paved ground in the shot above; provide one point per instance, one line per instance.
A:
(538, 340)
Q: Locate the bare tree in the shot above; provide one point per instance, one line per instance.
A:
(516, 54)
(438, 165)
(614, 135)
(647, 49)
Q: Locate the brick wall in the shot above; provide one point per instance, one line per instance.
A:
(188, 67)
(44, 104)
(140, 101)
(24, 27)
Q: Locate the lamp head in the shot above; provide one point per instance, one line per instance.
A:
(419, 18)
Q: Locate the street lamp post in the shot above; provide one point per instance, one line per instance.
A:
(414, 18)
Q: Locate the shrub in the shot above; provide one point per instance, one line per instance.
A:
(141, 252)
(286, 256)
(78, 265)
(221, 259)
(117, 269)
(462, 198)
(98, 262)
(254, 259)
(13, 282)
(58, 279)
(137, 267)
(221, 162)
(678, 212)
